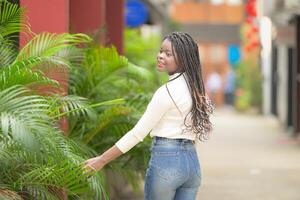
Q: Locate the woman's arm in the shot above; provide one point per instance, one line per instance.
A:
(157, 107)
(97, 163)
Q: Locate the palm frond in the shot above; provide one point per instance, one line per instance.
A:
(16, 106)
(18, 74)
(42, 192)
(22, 117)
(45, 54)
(65, 175)
(56, 165)
(88, 107)
(99, 67)
(101, 76)
(71, 105)
(104, 119)
(137, 102)
(50, 44)
(6, 194)
(139, 72)
(7, 53)
(105, 73)
(11, 18)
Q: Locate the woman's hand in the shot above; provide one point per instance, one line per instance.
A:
(97, 163)
(94, 164)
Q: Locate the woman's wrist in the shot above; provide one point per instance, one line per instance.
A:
(110, 154)
(102, 160)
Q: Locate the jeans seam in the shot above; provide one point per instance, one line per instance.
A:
(196, 163)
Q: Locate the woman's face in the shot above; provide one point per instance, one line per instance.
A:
(166, 58)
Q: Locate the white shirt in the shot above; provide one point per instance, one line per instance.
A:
(162, 117)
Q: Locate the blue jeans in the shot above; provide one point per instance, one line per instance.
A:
(173, 172)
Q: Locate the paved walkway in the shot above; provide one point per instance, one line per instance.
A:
(249, 157)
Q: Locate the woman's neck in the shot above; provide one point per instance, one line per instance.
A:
(179, 71)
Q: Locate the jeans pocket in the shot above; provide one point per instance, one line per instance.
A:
(166, 164)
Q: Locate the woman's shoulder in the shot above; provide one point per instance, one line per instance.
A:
(177, 86)
(161, 90)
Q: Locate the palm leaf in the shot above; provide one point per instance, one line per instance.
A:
(11, 16)
(139, 72)
(7, 53)
(56, 165)
(6, 194)
(23, 116)
(50, 44)
(104, 119)
(41, 192)
(103, 75)
(98, 68)
(20, 74)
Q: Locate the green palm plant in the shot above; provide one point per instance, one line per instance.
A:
(105, 75)
(142, 50)
(11, 21)
(102, 75)
(35, 157)
(36, 160)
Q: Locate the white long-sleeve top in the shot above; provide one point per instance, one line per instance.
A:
(162, 118)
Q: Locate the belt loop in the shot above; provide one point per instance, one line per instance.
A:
(155, 140)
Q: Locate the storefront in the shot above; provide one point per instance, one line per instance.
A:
(285, 64)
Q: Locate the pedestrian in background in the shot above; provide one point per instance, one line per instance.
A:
(214, 85)
(229, 87)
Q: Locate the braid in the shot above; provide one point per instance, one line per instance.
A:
(187, 59)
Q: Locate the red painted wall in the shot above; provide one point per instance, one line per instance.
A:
(59, 16)
(51, 16)
(48, 16)
(86, 16)
(115, 23)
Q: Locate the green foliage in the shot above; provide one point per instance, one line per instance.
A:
(105, 75)
(143, 51)
(11, 16)
(107, 97)
(36, 160)
(34, 154)
(11, 22)
(249, 83)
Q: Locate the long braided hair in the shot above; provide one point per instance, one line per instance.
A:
(187, 59)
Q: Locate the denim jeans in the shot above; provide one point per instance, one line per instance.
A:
(173, 172)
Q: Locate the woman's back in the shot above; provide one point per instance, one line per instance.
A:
(171, 124)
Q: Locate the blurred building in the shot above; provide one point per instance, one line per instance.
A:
(280, 39)
(215, 25)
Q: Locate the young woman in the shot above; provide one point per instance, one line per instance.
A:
(177, 116)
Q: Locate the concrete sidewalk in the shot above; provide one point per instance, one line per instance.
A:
(249, 157)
